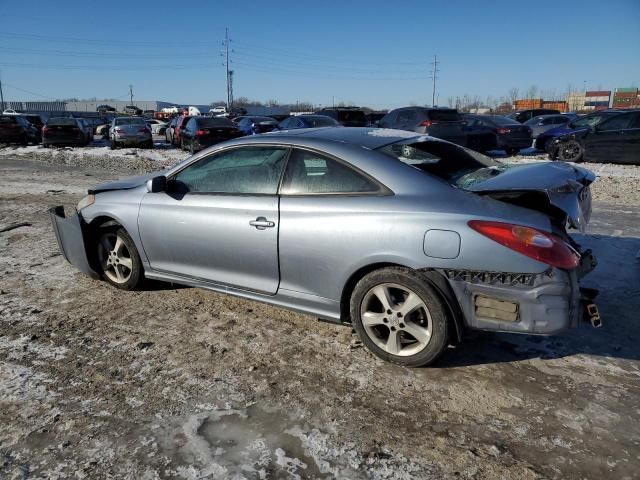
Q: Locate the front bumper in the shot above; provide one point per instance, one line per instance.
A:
(546, 303)
(71, 236)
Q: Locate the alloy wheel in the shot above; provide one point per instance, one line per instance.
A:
(396, 319)
(115, 258)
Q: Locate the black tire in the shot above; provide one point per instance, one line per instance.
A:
(511, 151)
(570, 151)
(131, 276)
(433, 315)
(113, 145)
(182, 144)
(192, 149)
(149, 145)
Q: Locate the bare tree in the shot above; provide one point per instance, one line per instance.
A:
(532, 91)
(513, 95)
(450, 101)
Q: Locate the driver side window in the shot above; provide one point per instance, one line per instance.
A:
(245, 170)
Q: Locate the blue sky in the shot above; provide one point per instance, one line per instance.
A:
(374, 53)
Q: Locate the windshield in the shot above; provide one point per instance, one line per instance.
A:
(589, 121)
(457, 165)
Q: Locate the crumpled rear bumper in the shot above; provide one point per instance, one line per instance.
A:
(71, 235)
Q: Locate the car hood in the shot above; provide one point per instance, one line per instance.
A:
(565, 187)
(124, 184)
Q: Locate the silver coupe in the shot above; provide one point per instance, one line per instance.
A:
(409, 239)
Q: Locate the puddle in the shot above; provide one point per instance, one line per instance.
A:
(250, 443)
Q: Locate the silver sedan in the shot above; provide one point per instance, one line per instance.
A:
(409, 239)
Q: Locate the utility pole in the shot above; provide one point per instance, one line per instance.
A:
(434, 77)
(226, 66)
(131, 94)
(1, 97)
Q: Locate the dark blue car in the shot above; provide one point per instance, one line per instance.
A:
(307, 121)
(544, 141)
(255, 125)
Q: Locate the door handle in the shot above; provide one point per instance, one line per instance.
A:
(261, 223)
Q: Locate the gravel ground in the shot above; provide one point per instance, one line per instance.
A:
(184, 383)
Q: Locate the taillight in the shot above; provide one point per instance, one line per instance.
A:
(119, 130)
(502, 131)
(45, 129)
(426, 123)
(200, 133)
(541, 246)
(145, 130)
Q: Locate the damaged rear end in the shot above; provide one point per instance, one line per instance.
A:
(546, 302)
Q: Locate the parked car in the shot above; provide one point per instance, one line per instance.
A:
(444, 123)
(373, 118)
(168, 133)
(544, 141)
(307, 121)
(17, 129)
(338, 223)
(202, 132)
(130, 131)
(64, 131)
(524, 115)
(87, 129)
(495, 132)
(542, 123)
(615, 139)
(157, 127)
(133, 110)
(256, 125)
(346, 116)
(105, 108)
(36, 120)
(180, 123)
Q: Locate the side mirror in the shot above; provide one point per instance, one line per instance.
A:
(157, 184)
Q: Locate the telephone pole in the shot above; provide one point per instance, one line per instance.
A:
(131, 94)
(1, 96)
(228, 72)
(434, 77)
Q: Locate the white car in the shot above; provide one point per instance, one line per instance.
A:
(156, 126)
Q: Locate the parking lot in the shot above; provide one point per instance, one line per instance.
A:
(185, 383)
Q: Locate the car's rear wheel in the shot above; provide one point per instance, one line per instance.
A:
(399, 317)
(113, 145)
(118, 258)
(570, 151)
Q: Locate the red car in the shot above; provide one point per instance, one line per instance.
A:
(180, 124)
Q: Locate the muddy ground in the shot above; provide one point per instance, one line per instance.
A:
(184, 383)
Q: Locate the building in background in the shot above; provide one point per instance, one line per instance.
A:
(597, 100)
(529, 103)
(92, 106)
(626, 98)
(575, 101)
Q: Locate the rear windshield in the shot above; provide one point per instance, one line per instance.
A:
(8, 119)
(62, 121)
(34, 119)
(444, 115)
(351, 116)
(457, 165)
(321, 121)
(215, 122)
(130, 121)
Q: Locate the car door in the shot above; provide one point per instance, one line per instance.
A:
(610, 140)
(218, 220)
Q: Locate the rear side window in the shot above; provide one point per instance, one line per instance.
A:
(618, 122)
(444, 116)
(310, 172)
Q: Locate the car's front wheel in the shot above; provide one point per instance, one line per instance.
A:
(570, 151)
(118, 259)
(399, 317)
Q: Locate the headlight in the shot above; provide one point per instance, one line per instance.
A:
(85, 202)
